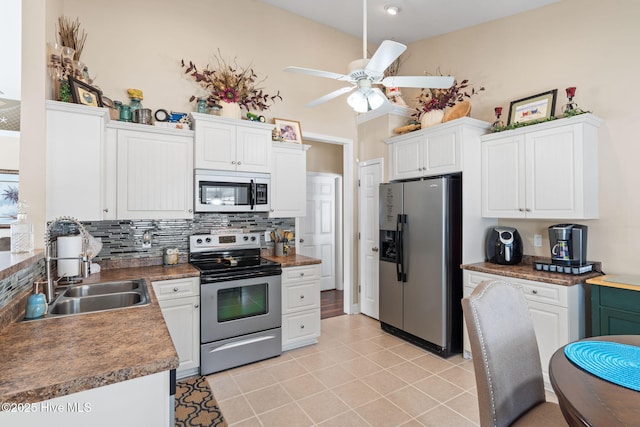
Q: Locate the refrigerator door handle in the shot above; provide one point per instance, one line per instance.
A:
(401, 275)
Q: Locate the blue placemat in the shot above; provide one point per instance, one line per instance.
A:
(614, 362)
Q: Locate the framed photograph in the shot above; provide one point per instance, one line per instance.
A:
(8, 197)
(83, 93)
(290, 130)
(536, 107)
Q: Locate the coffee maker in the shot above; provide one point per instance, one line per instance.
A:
(568, 244)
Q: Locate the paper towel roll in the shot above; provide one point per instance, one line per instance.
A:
(68, 247)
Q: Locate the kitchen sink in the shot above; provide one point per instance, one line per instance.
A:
(82, 299)
(104, 288)
(93, 303)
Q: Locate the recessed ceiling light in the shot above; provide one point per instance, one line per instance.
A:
(392, 10)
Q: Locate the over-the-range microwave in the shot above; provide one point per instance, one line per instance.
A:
(224, 191)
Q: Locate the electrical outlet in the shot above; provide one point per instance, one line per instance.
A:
(146, 239)
(267, 236)
(537, 240)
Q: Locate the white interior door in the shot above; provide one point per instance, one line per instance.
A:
(369, 178)
(317, 236)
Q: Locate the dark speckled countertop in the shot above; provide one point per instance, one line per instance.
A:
(525, 270)
(43, 359)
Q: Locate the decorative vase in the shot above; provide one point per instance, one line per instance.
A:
(431, 118)
(231, 110)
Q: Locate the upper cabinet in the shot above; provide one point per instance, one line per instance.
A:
(234, 145)
(153, 171)
(289, 180)
(432, 151)
(547, 171)
(75, 164)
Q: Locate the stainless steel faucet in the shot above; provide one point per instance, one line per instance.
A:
(83, 257)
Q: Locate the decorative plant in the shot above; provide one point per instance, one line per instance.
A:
(70, 35)
(231, 83)
(439, 99)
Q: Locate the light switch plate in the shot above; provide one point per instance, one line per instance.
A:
(537, 240)
(267, 236)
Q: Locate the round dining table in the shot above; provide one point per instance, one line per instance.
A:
(588, 400)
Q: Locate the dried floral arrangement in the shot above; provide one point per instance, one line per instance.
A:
(231, 83)
(439, 99)
(70, 35)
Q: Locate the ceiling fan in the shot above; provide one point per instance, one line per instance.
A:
(364, 73)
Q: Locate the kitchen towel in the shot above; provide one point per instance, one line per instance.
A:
(69, 247)
(613, 362)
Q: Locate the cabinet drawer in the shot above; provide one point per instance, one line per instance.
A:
(307, 272)
(300, 297)
(301, 325)
(177, 288)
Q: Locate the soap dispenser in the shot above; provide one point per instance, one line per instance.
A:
(36, 304)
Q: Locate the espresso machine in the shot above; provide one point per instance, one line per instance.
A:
(568, 244)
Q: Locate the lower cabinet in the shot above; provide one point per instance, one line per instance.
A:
(614, 311)
(557, 312)
(300, 306)
(180, 304)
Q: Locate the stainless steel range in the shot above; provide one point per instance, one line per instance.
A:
(240, 300)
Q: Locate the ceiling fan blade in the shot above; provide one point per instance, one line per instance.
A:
(330, 96)
(387, 52)
(435, 82)
(317, 73)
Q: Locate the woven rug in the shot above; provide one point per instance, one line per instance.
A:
(195, 404)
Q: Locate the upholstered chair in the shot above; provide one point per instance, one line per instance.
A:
(506, 361)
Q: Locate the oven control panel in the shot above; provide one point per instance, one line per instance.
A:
(207, 242)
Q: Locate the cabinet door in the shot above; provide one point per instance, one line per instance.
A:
(182, 316)
(253, 150)
(215, 146)
(551, 325)
(74, 164)
(554, 174)
(503, 178)
(441, 154)
(155, 175)
(406, 159)
(288, 182)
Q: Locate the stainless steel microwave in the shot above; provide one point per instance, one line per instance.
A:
(223, 191)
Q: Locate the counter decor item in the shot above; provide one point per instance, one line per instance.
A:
(289, 130)
(82, 93)
(571, 108)
(498, 123)
(170, 256)
(534, 108)
(432, 103)
(36, 303)
(135, 96)
(21, 231)
(231, 86)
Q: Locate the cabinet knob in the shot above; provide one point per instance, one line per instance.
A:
(272, 210)
(301, 326)
(301, 274)
(301, 296)
(528, 210)
(105, 210)
(196, 305)
(175, 289)
(301, 240)
(233, 162)
(239, 163)
(374, 249)
(535, 292)
(190, 211)
(521, 210)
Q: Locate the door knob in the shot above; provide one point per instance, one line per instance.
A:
(374, 249)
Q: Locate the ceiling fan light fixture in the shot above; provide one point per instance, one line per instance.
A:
(392, 10)
(365, 99)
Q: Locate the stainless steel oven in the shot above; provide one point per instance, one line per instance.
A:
(240, 301)
(223, 191)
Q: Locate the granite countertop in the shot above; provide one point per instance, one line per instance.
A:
(525, 270)
(293, 260)
(43, 359)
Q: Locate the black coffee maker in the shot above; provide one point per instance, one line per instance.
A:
(568, 244)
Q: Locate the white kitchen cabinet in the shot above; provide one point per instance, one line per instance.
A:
(153, 172)
(428, 152)
(179, 301)
(300, 306)
(142, 401)
(75, 162)
(233, 145)
(557, 312)
(289, 180)
(549, 170)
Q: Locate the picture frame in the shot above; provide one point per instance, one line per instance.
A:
(533, 108)
(8, 197)
(290, 130)
(85, 94)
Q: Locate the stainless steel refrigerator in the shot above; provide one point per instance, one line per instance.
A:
(420, 256)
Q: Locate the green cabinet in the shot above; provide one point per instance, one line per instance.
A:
(614, 311)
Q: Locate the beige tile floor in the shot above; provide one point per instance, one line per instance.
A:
(357, 375)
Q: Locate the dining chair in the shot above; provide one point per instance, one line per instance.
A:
(506, 360)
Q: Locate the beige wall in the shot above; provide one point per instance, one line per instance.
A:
(325, 158)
